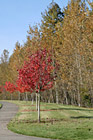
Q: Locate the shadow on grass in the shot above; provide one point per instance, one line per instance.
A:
(82, 117)
(79, 109)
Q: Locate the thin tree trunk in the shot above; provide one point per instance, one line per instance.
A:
(49, 100)
(66, 98)
(36, 101)
(19, 96)
(32, 98)
(65, 94)
(89, 81)
(39, 107)
(79, 77)
(53, 59)
(11, 97)
(32, 101)
(57, 100)
(26, 97)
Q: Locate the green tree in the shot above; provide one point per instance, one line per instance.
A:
(52, 16)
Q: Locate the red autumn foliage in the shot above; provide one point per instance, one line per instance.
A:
(36, 74)
(22, 88)
(10, 87)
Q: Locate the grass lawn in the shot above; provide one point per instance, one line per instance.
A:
(57, 121)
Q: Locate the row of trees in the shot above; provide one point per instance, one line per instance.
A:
(69, 36)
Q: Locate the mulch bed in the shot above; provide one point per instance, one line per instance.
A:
(30, 110)
(33, 105)
(47, 120)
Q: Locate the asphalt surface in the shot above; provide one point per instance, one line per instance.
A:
(7, 112)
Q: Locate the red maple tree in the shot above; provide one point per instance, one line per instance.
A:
(37, 74)
(10, 87)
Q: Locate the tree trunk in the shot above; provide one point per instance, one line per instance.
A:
(36, 101)
(19, 96)
(79, 77)
(39, 107)
(57, 100)
(11, 97)
(32, 101)
(32, 98)
(66, 97)
(26, 97)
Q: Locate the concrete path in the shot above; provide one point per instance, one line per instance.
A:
(7, 112)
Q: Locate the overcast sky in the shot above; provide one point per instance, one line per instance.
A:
(15, 18)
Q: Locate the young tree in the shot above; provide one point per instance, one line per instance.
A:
(21, 88)
(10, 87)
(36, 74)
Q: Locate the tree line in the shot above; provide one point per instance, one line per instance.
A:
(68, 33)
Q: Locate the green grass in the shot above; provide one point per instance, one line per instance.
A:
(57, 121)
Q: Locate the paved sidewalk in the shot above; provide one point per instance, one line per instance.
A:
(7, 112)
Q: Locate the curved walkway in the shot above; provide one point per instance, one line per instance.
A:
(7, 112)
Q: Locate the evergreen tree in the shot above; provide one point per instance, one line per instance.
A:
(52, 16)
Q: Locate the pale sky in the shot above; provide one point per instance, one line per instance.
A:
(15, 18)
